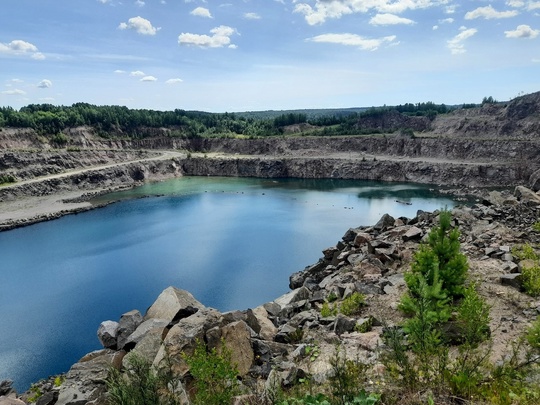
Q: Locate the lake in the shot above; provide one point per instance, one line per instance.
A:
(231, 242)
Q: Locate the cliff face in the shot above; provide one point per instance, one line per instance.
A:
(382, 170)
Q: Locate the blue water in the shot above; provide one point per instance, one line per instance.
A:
(231, 242)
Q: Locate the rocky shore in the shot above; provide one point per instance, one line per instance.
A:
(271, 344)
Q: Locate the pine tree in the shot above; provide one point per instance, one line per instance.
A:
(440, 256)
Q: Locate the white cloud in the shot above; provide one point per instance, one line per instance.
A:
(515, 3)
(201, 12)
(174, 81)
(456, 45)
(44, 84)
(140, 3)
(149, 79)
(20, 47)
(390, 19)
(137, 73)
(449, 20)
(15, 92)
(139, 24)
(38, 56)
(252, 16)
(104, 1)
(120, 72)
(435, 27)
(522, 31)
(489, 13)
(334, 9)
(533, 5)
(366, 44)
(221, 36)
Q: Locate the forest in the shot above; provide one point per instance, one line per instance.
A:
(120, 121)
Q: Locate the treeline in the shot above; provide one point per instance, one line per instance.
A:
(118, 121)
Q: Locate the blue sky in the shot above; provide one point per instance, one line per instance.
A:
(247, 55)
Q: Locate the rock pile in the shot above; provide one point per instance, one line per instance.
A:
(274, 342)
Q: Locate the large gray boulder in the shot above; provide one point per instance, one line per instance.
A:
(525, 194)
(107, 334)
(183, 337)
(173, 304)
(85, 381)
(128, 323)
(143, 329)
(236, 337)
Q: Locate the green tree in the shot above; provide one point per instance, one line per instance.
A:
(440, 258)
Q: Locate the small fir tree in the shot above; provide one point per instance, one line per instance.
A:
(440, 258)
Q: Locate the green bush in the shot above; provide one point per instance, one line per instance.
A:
(328, 310)
(347, 377)
(523, 252)
(533, 335)
(7, 179)
(214, 374)
(530, 279)
(352, 304)
(60, 139)
(473, 317)
(138, 385)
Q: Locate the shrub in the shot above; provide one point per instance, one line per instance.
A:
(532, 335)
(138, 385)
(347, 377)
(530, 278)
(7, 178)
(214, 374)
(60, 138)
(473, 317)
(352, 304)
(523, 252)
(328, 310)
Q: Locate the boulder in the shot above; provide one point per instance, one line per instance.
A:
(413, 233)
(107, 334)
(173, 304)
(236, 337)
(267, 330)
(10, 401)
(344, 324)
(183, 338)
(361, 239)
(128, 323)
(299, 294)
(85, 381)
(148, 347)
(525, 194)
(6, 387)
(534, 180)
(48, 398)
(512, 280)
(386, 221)
(142, 330)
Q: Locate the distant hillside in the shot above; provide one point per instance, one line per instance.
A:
(519, 118)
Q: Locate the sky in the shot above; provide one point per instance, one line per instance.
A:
(252, 55)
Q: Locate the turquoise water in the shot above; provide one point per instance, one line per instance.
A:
(231, 242)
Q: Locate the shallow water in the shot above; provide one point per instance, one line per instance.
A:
(232, 242)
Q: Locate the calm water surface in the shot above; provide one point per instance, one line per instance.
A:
(231, 242)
